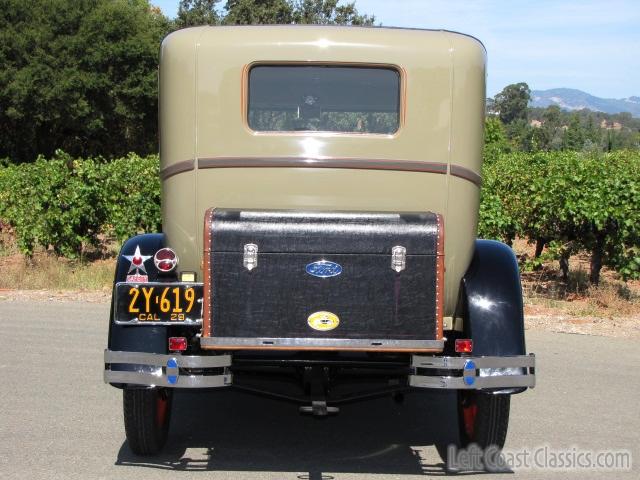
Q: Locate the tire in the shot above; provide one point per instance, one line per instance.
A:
(483, 421)
(147, 413)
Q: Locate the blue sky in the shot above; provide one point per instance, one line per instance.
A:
(590, 45)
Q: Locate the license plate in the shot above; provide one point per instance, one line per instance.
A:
(159, 302)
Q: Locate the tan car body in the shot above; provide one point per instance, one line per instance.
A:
(211, 158)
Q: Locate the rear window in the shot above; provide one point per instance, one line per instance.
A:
(348, 99)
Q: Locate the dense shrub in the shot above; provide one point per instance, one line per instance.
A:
(131, 196)
(567, 201)
(570, 201)
(68, 204)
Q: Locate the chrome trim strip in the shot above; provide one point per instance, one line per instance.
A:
(176, 168)
(369, 344)
(457, 383)
(457, 363)
(158, 360)
(195, 323)
(160, 380)
(302, 162)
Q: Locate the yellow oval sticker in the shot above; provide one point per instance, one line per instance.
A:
(323, 321)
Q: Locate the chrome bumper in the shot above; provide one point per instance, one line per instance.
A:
(155, 370)
(473, 373)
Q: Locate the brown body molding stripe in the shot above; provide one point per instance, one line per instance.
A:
(466, 174)
(177, 168)
(300, 162)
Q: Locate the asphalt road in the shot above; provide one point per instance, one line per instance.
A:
(58, 420)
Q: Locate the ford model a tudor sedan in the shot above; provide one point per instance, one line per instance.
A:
(320, 203)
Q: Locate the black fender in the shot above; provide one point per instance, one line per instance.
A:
(492, 301)
(129, 338)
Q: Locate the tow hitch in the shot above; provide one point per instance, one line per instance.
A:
(316, 381)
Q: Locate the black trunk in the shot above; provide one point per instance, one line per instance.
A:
(323, 280)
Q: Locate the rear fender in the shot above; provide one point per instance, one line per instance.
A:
(128, 338)
(492, 303)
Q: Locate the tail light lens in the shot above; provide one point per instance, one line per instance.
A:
(166, 260)
(464, 345)
(177, 344)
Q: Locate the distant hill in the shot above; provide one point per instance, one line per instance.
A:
(572, 99)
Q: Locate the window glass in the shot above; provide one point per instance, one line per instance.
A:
(284, 98)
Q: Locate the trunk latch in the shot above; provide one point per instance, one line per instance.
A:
(398, 258)
(250, 259)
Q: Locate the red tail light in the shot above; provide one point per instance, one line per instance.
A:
(166, 260)
(177, 344)
(464, 345)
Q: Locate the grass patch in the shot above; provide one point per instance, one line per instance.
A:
(545, 287)
(48, 272)
(610, 299)
(8, 245)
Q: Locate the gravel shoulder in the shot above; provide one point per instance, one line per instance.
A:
(555, 320)
(83, 296)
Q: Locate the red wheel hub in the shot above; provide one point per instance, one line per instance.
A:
(469, 414)
(161, 409)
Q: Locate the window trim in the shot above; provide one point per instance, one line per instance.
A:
(244, 98)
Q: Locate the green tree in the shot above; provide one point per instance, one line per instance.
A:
(574, 136)
(258, 12)
(548, 136)
(511, 107)
(197, 12)
(328, 12)
(512, 102)
(265, 12)
(78, 75)
(552, 127)
(495, 139)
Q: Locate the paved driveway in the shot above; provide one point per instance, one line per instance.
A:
(59, 420)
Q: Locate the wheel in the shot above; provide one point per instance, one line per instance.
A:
(147, 413)
(483, 421)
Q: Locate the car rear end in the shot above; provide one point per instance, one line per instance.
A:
(320, 201)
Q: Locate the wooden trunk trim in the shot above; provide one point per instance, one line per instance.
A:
(440, 278)
(207, 321)
(206, 267)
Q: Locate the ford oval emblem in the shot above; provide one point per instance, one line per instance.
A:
(324, 269)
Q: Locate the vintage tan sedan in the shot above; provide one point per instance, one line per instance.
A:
(320, 202)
